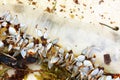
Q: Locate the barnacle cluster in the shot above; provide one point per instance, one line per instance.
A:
(19, 49)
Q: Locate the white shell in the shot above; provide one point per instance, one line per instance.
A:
(1, 44)
(61, 50)
(48, 46)
(4, 23)
(26, 41)
(20, 42)
(38, 46)
(93, 60)
(17, 38)
(60, 60)
(24, 36)
(67, 56)
(55, 41)
(94, 72)
(108, 78)
(23, 53)
(44, 53)
(39, 33)
(54, 59)
(15, 20)
(100, 72)
(8, 17)
(71, 56)
(12, 31)
(10, 47)
(80, 58)
(50, 64)
(87, 63)
(30, 45)
(78, 63)
(85, 70)
(41, 50)
(22, 25)
(45, 35)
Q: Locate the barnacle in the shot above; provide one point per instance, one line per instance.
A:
(43, 38)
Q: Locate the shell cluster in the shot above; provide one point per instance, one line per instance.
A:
(81, 67)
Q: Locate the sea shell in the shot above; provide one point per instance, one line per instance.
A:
(100, 72)
(87, 63)
(54, 59)
(15, 20)
(50, 64)
(94, 72)
(8, 17)
(24, 35)
(85, 70)
(37, 47)
(41, 50)
(80, 58)
(17, 37)
(108, 78)
(23, 52)
(25, 41)
(20, 42)
(61, 50)
(10, 47)
(4, 23)
(55, 41)
(30, 45)
(1, 44)
(66, 55)
(12, 31)
(78, 63)
(45, 35)
(49, 45)
(39, 33)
